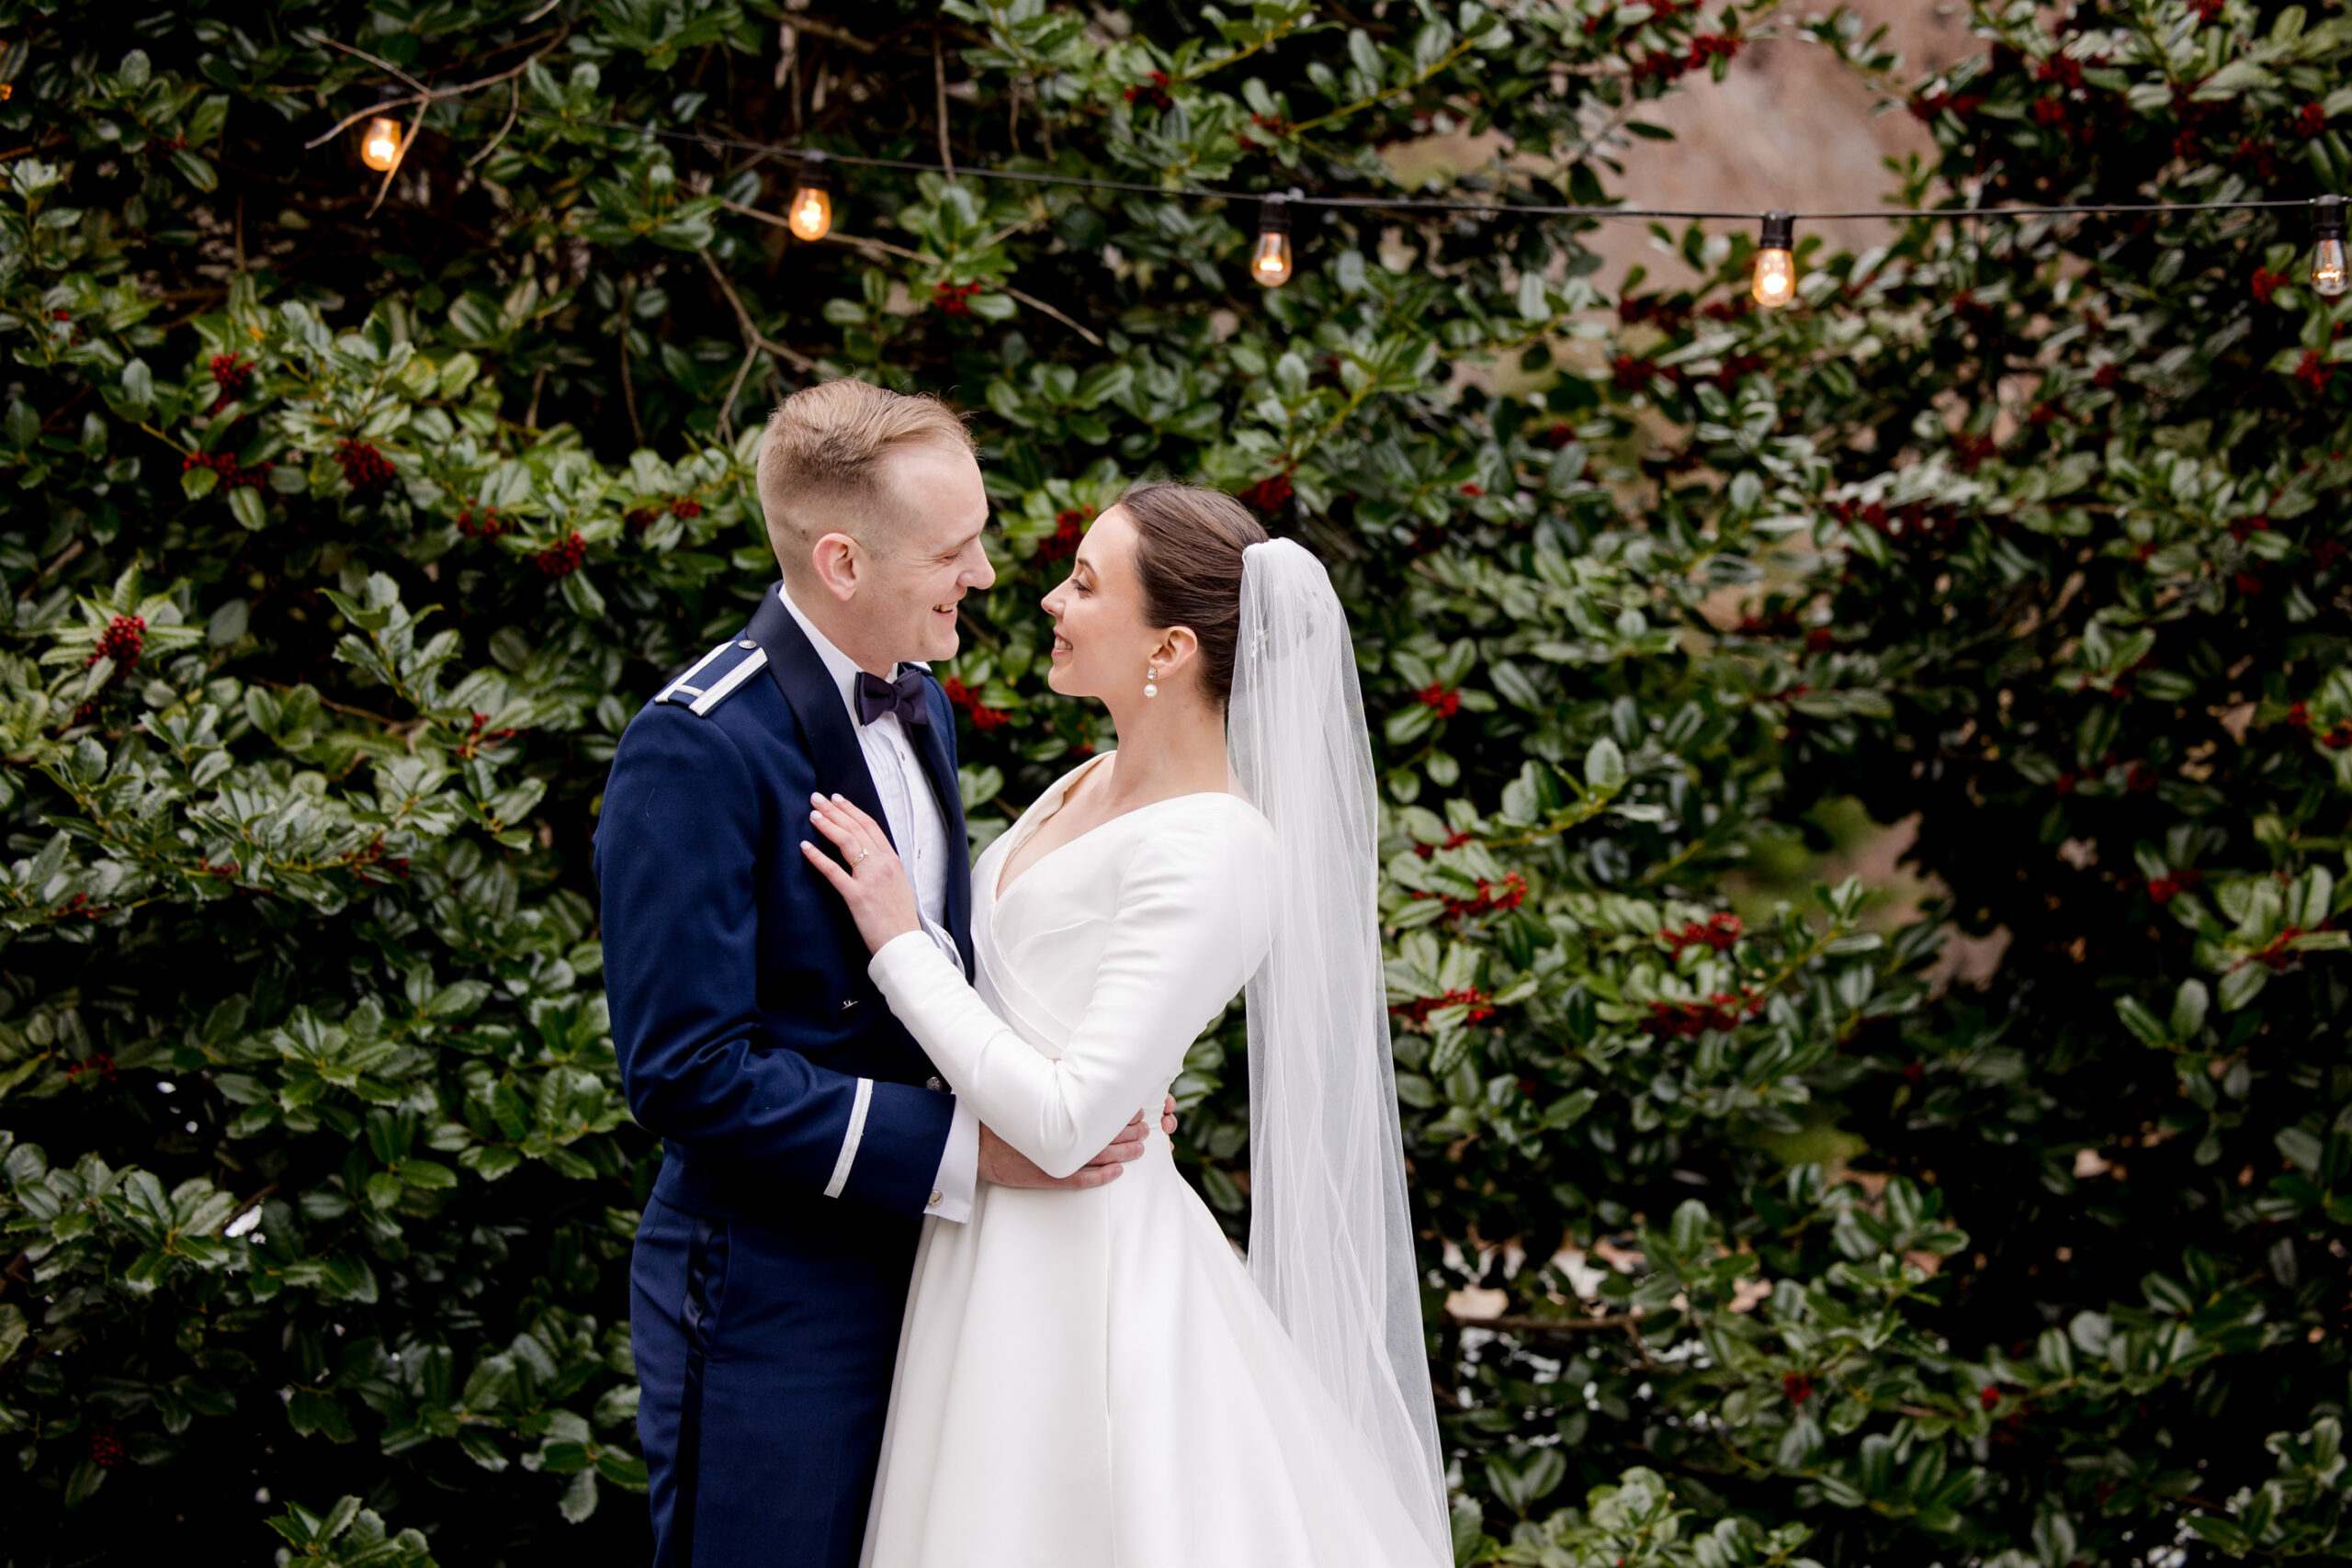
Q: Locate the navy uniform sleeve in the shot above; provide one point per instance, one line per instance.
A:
(677, 849)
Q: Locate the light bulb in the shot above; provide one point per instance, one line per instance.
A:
(2327, 252)
(379, 149)
(1270, 264)
(2327, 268)
(1270, 261)
(1776, 261)
(811, 213)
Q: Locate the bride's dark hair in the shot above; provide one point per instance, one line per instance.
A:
(1188, 554)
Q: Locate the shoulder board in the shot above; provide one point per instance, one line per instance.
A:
(716, 675)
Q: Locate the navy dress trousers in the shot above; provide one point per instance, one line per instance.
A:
(800, 1127)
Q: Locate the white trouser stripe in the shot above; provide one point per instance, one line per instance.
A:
(850, 1139)
(732, 679)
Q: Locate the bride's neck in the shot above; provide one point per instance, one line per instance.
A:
(1166, 749)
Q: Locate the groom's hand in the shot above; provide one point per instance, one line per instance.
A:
(1008, 1166)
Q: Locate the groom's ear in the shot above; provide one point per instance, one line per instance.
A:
(835, 559)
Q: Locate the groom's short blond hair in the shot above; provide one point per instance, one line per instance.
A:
(822, 462)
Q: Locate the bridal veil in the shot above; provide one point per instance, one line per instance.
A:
(1331, 1246)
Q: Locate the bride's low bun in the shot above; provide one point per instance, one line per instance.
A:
(1189, 542)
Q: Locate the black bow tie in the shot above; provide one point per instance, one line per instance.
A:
(902, 696)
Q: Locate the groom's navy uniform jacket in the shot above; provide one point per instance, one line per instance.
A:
(801, 1126)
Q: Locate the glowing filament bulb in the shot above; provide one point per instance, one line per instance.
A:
(1270, 261)
(1776, 261)
(811, 213)
(379, 149)
(2327, 252)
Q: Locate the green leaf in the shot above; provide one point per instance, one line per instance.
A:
(2188, 1009)
(2301, 1148)
(578, 1498)
(315, 1412)
(2142, 1022)
(1604, 766)
(194, 169)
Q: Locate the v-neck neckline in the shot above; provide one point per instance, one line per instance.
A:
(1000, 890)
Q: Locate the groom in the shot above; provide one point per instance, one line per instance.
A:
(805, 1135)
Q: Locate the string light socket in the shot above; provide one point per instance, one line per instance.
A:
(2327, 246)
(379, 145)
(1270, 261)
(811, 213)
(1776, 261)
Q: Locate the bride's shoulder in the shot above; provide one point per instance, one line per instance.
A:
(1217, 818)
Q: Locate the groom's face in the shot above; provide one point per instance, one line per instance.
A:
(918, 556)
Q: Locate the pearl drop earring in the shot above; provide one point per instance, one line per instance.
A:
(1150, 680)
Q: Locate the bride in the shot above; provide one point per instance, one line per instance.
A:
(1092, 1378)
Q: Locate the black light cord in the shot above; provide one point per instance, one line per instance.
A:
(1531, 209)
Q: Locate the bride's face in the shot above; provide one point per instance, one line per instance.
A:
(1102, 642)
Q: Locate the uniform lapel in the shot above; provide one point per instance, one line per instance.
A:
(817, 703)
(934, 744)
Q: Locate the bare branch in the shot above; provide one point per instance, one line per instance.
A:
(753, 338)
(347, 121)
(514, 107)
(939, 78)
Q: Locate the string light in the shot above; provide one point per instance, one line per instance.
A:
(1269, 262)
(2327, 248)
(1776, 261)
(811, 212)
(380, 147)
(810, 215)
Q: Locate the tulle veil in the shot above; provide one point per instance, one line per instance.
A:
(1330, 1245)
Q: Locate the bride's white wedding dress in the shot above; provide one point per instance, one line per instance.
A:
(1091, 1379)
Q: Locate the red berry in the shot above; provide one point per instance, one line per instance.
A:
(955, 298)
(106, 1448)
(1269, 494)
(123, 640)
(233, 476)
(562, 559)
(367, 471)
(232, 376)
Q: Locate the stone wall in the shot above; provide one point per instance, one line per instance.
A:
(1791, 125)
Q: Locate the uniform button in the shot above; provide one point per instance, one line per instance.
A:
(934, 1202)
(747, 642)
(933, 1084)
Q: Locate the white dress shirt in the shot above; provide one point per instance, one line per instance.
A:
(919, 831)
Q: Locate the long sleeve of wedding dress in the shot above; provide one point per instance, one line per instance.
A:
(1188, 929)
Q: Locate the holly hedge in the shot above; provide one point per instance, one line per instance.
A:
(355, 513)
